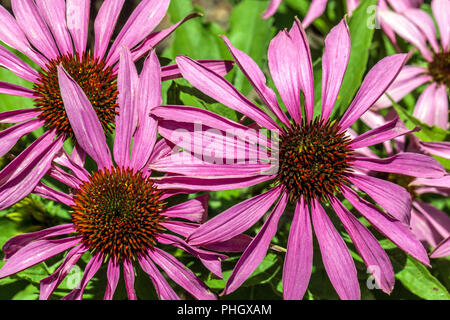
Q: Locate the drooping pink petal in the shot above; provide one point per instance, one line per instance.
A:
(181, 274)
(393, 229)
(28, 17)
(410, 164)
(441, 149)
(257, 249)
(78, 172)
(78, 155)
(236, 244)
(221, 67)
(438, 219)
(235, 220)
(334, 64)
(54, 13)
(16, 90)
(77, 15)
(301, 44)
(104, 25)
(84, 121)
(195, 210)
(36, 252)
(424, 23)
(316, 9)
(441, 12)
(10, 136)
(256, 77)
(147, 15)
(392, 197)
(351, 6)
(91, 269)
(147, 98)
(220, 89)
(10, 61)
(442, 250)
(128, 275)
(15, 116)
(127, 118)
(299, 255)
(441, 102)
(211, 260)
(429, 107)
(335, 255)
(390, 130)
(271, 9)
(162, 287)
(54, 195)
(423, 230)
(377, 81)
(49, 284)
(18, 242)
(410, 78)
(375, 258)
(443, 182)
(113, 275)
(20, 177)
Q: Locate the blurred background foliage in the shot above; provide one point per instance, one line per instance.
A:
(199, 38)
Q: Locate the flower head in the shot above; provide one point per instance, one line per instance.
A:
(119, 214)
(53, 34)
(317, 167)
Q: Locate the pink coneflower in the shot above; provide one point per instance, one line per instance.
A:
(316, 164)
(417, 27)
(118, 213)
(53, 33)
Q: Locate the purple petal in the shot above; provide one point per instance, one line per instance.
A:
(441, 9)
(439, 220)
(195, 210)
(105, 22)
(78, 172)
(10, 61)
(432, 106)
(271, 9)
(393, 229)
(77, 13)
(36, 252)
(410, 164)
(375, 258)
(299, 256)
(443, 182)
(10, 136)
(51, 194)
(316, 9)
(113, 275)
(128, 275)
(377, 81)
(181, 274)
(442, 250)
(217, 87)
(221, 67)
(392, 197)
(335, 255)
(83, 120)
(235, 220)
(15, 116)
(441, 149)
(424, 23)
(16, 90)
(257, 250)
(49, 284)
(147, 15)
(334, 64)
(162, 287)
(236, 244)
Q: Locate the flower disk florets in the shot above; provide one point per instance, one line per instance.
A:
(314, 160)
(439, 68)
(118, 213)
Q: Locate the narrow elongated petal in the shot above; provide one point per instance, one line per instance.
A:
(441, 102)
(256, 77)
(438, 219)
(104, 25)
(15, 116)
(16, 90)
(83, 120)
(126, 120)
(54, 195)
(441, 149)
(334, 64)
(299, 255)
(410, 164)
(424, 23)
(10, 136)
(426, 109)
(128, 275)
(36, 30)
(162, 287)
(10, 61)
(147, 15)
(221, 90)
(441, 12)
(195, 210)
(235, 220)
(316, 9)
(113, 275)
(335, 255)
(393, 229)
(395, 199)
(36, 252)
(77, 13)
(442, 250)
(257, 249)
(148, 97)
(18, 242)
(379, 78)
(49, 284)
(443, 182)
(271, 9)
(181, 275)
(221, 67)
(375, 258)
(54, 13)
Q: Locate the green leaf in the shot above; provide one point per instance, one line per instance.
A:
(361, 37)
